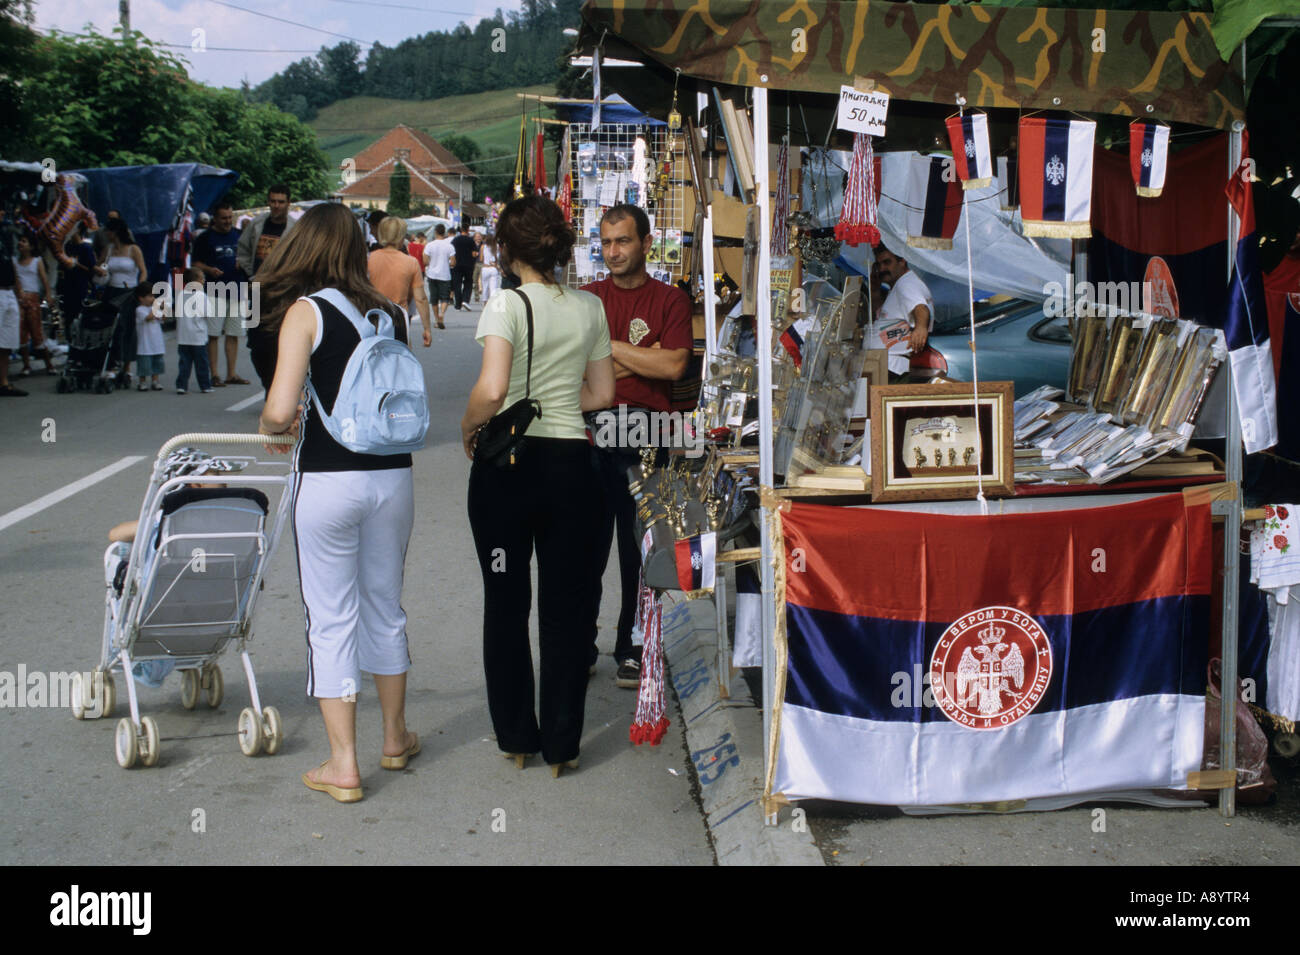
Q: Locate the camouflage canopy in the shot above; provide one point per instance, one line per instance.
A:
(1127, 63)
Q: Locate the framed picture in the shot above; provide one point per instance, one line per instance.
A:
(875, 371)
(934, 442)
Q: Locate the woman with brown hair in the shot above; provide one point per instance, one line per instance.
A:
(397, 275)
(352, 513)
(545, 503)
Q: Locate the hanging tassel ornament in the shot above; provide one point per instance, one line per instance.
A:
(780, 215)
(650, 724)
(564, 177)
(858, 217)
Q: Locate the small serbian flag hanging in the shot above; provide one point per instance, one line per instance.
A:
(933, 203)
(969, 136)
(696, 562)
(1148, 154)
(1055, 166)
(792, 342)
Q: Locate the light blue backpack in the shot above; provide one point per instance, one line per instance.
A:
(381, 406)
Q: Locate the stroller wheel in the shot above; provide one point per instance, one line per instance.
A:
(152, 745)
(189, 689)
(215, 685)
(250, 732)
(108, 692)
(274, 730)
(124, 743)
(78, 693)
(61, 386)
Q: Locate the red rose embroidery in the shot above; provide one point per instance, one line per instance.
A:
(1268, 511)
(1282, 513)
(1280, 542)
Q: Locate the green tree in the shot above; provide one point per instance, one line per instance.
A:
(94, 100)
(399, 191)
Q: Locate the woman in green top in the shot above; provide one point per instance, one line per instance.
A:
(545, 503)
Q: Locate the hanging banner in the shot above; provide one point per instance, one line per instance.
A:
(933, 203)
(1148, 156)
(1055, 165)
(1014, 656)
(969, 138)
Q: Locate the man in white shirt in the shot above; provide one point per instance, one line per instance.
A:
(437, 269)
(908, 302)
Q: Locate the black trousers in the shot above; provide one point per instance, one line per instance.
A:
(618, 523)
(546, 505)
(462, 286)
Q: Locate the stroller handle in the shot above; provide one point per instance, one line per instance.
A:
(199, 437)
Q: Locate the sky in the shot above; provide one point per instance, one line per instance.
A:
(215, 37)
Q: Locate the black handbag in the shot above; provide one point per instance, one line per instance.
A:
(501, 441)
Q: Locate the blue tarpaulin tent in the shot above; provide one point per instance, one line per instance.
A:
(150, 199)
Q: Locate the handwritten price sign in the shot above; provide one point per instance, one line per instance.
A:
(862, 112)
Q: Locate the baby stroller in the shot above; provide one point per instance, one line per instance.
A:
(91, 350)
(185, 590)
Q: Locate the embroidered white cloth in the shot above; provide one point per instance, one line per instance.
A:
(1275, 550)
(1275, 568)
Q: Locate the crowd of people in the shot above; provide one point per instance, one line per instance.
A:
(576, 352)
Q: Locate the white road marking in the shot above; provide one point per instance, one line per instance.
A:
(241, 405)
(41, 503)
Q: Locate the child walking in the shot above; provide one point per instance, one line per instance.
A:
(192, 334)
(149, 347)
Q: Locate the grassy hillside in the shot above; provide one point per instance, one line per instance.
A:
(491, 119)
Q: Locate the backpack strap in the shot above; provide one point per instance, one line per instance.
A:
(365, 328)
(528, 309)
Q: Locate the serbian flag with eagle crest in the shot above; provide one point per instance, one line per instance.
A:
(1055, 168)
(969, 137)
(948, 658)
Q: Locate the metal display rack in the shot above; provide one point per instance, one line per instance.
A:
(605, 172)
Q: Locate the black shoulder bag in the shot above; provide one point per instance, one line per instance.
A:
(501, 441)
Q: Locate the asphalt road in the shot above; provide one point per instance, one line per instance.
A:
(63, 798)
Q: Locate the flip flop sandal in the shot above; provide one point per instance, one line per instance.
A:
(338, 793)
(399, 761)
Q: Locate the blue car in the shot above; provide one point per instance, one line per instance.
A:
(1016, 342)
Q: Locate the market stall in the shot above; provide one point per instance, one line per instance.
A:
(851, 597)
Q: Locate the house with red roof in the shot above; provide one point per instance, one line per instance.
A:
(437, 176)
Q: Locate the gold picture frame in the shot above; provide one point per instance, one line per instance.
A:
(923, 445)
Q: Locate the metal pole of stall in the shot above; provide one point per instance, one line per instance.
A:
(1231, 511)
(706, 248)
(705, 240)
(763, 321)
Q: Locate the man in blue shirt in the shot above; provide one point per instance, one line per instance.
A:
(214, 255)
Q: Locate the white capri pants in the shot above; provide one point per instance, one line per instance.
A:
(350, 532)
(9, 322)
(490, 279)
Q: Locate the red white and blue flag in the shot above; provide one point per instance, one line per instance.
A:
(792, 342)
(1148, 156)
(1055, 167)
(969, 136)
(696, 559)
(1174, 247)
(933, 203)
(975, 659)
(1282, 296)
(1245, 325)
